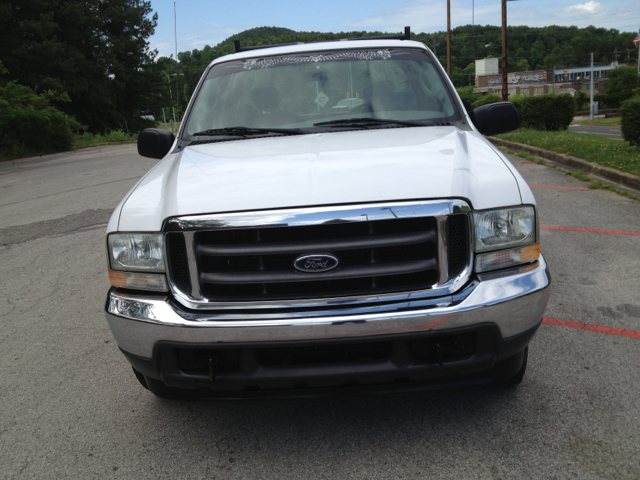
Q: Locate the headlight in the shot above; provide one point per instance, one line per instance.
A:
(509, 227)
(138, 252)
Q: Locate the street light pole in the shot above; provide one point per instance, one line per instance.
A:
(171, 97)
(505, 91)
(169, 82)
(449, 38)
(175, 27)
(591, 76)
(639, 54)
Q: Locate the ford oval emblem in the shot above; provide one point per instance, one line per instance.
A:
(315, 263)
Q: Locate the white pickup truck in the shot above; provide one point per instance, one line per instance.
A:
(283, 248)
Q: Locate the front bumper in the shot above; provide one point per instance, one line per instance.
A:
(512, 300)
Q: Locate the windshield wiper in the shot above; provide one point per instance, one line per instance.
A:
(358, 122)
(244, 131)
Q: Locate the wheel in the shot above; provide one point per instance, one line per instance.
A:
(517, 378)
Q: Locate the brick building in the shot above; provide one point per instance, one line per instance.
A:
(539, 82)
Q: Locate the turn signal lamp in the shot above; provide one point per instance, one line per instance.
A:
(507, 258)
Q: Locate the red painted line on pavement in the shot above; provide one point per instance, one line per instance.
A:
(592, 328)
(610, 232)
(570, 188)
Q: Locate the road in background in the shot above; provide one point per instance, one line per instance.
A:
(71, 407)
(600, 130)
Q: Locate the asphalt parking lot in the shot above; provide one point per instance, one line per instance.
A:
(71, 407)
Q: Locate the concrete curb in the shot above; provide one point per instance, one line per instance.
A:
(624, 179)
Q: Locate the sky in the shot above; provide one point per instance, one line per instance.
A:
(203, 22)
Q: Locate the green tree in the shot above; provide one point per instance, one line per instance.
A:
(581, 100)
(96, 50)
(30, 124)
(523, 65)
(622, 82)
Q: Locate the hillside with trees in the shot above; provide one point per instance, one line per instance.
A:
(91, 60)
(528, 48)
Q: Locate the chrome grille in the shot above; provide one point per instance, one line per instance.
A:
(237, 259)
(257, 263)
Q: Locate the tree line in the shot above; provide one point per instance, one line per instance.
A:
(529, 48)
(94, 51)
(91, 60)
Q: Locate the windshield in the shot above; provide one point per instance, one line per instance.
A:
(300, 91)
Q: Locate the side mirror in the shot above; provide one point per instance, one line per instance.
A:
(496, 118)
(154, 142)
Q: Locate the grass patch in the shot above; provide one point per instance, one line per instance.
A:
(594, 184)
(579, 175)
(526, 156)
(603, 151)
(114, 137)
(598, 185)
(169, 126)
(607, 122)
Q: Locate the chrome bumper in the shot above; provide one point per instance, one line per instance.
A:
(513, 300)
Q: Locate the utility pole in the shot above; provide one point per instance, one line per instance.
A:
(639, 54)
(449, 38)
(175, 27)
(591, 77)
(505, 86)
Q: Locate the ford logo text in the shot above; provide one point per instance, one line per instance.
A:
(315, 263)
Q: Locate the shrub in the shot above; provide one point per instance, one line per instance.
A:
(631, 121)
(486, 100)
(602, 99)
(581, 100)
(545, 112)
(29, 124)
(468, 96)
(622, 81)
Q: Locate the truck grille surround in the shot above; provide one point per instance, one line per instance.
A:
(256, 264)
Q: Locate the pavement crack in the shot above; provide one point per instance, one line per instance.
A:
(63, 225)
(68, 191)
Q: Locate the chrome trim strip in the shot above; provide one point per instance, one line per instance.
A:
(193, 265)
(443, 246)
(515, 303)
(315, 216)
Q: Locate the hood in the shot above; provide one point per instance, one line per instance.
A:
(362, 166)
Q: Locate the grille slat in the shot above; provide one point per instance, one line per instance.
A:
(315, 245)
(344, 273)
